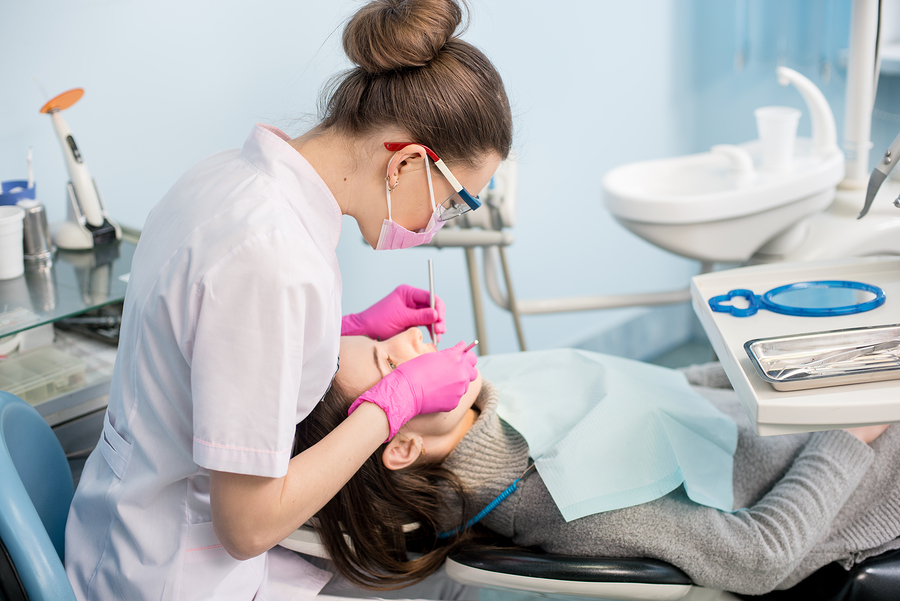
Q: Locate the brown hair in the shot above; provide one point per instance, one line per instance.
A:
(414, 73)
(376, 504)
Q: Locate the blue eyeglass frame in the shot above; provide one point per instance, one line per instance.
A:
(471, 200)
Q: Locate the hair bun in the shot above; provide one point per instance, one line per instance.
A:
(388, 35)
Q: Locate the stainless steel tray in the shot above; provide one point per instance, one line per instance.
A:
(832, 358)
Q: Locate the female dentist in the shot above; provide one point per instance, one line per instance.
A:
(232, 320)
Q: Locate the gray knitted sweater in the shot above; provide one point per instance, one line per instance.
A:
(807, 500)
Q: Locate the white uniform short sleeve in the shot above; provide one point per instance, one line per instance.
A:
(254, 316)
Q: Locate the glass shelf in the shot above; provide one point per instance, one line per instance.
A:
(76, 282)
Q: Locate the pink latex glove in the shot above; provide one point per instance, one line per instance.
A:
(429, 383)
(398, 311)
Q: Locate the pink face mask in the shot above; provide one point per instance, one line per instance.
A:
(394, 236)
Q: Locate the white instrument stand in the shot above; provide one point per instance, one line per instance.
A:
(774, 412)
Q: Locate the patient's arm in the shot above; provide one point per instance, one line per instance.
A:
(748, 551)
(868, 434)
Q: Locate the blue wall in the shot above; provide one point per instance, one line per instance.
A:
(605, 83)
(809, 36)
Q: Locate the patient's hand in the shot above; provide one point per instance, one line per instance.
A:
(868, 433)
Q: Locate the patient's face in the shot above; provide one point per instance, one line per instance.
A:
(365, 361)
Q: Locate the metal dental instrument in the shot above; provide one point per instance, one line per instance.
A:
(847, 360)
(880, 173)
(470, 347)
(431, 295)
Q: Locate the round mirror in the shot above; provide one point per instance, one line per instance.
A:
(810, 299)
(821, 298)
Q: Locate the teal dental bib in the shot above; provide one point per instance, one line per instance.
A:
(607, 433)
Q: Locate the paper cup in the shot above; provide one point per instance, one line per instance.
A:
(777, 127)
(11, 261)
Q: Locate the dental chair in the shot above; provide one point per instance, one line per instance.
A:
(504, 567)
(595, 577)
(35, 493)
(501, 566)
(876, 579)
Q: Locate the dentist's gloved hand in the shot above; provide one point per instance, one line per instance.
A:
(429, 383)
(398, 311)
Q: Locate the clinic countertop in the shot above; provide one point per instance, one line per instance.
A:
(77, 281)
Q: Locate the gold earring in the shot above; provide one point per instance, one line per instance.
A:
(390, 187)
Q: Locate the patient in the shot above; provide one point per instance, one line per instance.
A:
(810, 499)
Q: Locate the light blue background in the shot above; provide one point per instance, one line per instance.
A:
(593, 84)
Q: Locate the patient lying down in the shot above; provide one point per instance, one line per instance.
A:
(806, 499)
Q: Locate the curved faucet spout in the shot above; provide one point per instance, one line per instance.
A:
(824, 132)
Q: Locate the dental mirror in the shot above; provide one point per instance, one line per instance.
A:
(807, 299)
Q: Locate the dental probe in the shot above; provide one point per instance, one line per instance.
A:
(880, 173)
(470, 347)
(431, 295)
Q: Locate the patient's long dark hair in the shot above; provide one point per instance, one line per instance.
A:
(373, 507)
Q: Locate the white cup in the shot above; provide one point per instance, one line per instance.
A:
(777, 127)
(12, 264)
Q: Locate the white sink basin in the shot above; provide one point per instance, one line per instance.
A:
(698, 206)
(722, 205)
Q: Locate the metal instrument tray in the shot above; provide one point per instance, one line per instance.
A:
(832, 358)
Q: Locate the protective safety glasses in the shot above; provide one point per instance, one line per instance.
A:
(461, 201)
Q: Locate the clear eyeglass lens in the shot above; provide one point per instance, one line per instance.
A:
(452, 207)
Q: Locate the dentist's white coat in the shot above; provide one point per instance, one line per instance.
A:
(229, 337)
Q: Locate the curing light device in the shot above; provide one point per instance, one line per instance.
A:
(87, 224)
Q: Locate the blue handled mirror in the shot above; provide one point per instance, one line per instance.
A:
(807, 299)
